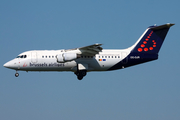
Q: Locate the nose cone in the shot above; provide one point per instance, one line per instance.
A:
(11, 64)
(6, 65)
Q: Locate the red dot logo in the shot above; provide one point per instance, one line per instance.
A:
(143, 46)
(145, 42)
(151, 48)
(146, 49)
(140, 49)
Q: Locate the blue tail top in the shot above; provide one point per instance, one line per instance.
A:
(152, 39)
(146, 48)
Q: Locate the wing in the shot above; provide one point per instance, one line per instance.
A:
(91, 49)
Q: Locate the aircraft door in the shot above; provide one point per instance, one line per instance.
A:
(33, 57)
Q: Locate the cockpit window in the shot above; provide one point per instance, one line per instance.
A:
(22, 56)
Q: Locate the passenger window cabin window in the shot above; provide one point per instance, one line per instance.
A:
(112, 56)
(49, 56)
(109, 56)
(118, 56)
(42, 56)
(52, 56)
(46, 56)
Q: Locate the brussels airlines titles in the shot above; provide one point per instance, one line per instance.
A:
(46, 65)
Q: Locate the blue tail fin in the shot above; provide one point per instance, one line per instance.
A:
(146, 48)
(152, 39)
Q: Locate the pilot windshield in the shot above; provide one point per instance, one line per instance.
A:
(21, 56)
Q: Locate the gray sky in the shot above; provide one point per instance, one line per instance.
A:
(148, 91)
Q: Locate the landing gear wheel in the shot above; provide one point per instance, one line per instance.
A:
(80, 74)
(17, 74)
(80, 77)
(83, 73)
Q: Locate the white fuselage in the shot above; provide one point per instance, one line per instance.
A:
(45, 60)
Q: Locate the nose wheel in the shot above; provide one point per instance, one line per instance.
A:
(16, 74)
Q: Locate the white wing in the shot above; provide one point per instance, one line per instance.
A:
(88, 50)
(91, 49)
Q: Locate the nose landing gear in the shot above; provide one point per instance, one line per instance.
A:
(16, 74)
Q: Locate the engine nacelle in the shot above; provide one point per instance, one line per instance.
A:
(65, 57)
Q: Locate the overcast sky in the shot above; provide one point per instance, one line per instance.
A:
(149, 91)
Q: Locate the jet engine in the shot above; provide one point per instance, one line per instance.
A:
(65, 57)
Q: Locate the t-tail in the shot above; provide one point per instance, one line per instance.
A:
(152, 39)
(146, 48)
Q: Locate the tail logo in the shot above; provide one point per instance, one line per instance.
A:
(143, 46)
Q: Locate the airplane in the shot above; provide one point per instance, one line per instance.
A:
(93, 57)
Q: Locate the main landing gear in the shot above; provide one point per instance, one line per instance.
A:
(80, 74)
(16, 74)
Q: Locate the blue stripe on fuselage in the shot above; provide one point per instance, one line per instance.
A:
(134, 59)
